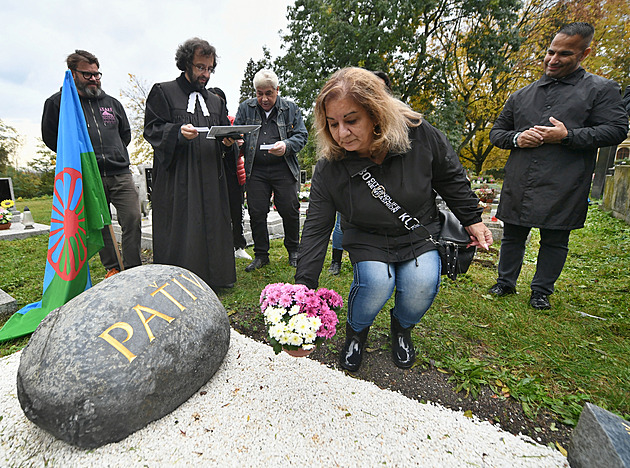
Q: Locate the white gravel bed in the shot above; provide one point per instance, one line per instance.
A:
(260, 408)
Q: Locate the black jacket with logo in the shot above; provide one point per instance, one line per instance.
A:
(370, 230)
(108, 128)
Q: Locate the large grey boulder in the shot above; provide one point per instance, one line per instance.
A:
(122, 354)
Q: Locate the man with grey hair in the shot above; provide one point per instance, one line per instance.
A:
(191, 212)
(271, 164)
(553, 128)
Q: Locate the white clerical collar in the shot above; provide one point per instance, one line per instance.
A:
(192, 98)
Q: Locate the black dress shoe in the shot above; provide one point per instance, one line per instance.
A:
(501, 290)
(257, 263)
(539, 301)
(293, 256)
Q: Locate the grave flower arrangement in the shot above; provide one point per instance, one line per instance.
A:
(298, 317)
(485, 194)
(5, 215)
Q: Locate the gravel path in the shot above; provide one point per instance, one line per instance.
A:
(260, 408)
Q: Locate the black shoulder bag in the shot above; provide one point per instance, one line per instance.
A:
(452, 241)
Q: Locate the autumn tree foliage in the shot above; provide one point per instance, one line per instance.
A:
(455, 61)
(134, 98)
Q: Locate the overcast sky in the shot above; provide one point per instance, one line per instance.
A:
(127, 36)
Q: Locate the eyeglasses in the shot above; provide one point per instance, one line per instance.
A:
(87, 75)
(203, 68)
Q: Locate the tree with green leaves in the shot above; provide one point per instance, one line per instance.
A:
(444, 57)
(388, 35)
(247, 90)
(44, 166)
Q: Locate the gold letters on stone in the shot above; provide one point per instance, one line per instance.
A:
(144, 314)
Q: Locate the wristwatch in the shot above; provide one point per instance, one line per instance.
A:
(566, 141)
(515, 139)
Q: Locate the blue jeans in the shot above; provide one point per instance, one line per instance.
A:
(337, 235)
(416, 285)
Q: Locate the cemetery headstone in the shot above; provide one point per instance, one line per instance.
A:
(122, 354)
(600, 438)
(6, 189)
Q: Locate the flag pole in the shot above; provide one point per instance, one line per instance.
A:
(115, 242)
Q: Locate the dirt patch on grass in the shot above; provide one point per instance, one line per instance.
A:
(424, 383)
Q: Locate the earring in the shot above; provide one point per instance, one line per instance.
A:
(376, 130)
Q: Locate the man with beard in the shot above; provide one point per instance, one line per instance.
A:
(190, 202)
(110, 134)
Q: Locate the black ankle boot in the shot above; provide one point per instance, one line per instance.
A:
(403, 351)
(335, 264)
(351, 354)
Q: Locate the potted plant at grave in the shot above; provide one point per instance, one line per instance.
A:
(485, 194)
(298, 319)
(5, 214)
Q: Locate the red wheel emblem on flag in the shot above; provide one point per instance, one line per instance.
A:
(67, 252)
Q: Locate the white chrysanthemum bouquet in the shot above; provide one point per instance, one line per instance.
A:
(298, 317)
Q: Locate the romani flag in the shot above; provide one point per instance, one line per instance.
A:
(79, 212)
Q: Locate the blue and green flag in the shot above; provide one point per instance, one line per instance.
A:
(79, 212)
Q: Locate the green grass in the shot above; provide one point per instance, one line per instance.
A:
(40, 208)
(557, 359)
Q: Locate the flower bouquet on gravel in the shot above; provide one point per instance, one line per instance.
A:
(297, 318)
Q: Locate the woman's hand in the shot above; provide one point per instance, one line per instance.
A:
(480, 235)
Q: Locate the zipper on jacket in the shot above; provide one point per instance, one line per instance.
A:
(100, 136)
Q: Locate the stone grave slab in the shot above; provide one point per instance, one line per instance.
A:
(600, 438)
(8, 305)
(17, 231)
(122, 354)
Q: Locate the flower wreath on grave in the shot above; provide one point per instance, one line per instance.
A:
(5, 215)
(299, 318)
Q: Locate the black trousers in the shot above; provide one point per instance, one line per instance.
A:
(120, 191)
(278, 180)
(552, 254)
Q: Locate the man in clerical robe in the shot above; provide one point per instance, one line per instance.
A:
(191, 212)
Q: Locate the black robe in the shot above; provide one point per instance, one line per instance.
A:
(191, 213)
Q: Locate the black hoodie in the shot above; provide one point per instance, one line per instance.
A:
(108, 127)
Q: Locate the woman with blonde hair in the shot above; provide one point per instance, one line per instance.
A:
(381, 166)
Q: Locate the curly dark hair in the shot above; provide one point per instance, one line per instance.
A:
(186, 52)
(79, 56)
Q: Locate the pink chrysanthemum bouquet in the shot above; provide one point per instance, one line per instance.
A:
(298, 317)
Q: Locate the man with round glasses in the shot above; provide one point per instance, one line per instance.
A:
(192, 227)
(110, 134)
